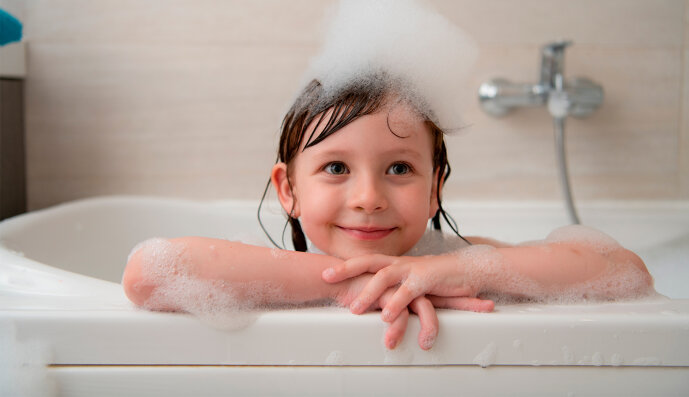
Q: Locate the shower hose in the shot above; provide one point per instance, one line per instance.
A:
(559, 126)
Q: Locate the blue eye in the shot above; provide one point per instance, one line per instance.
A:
(399, 169)
(335, 168)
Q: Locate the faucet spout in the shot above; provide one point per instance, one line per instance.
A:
(553, 62)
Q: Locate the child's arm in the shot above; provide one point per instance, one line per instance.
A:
(184, 273)
(278, 276)
(563, 266)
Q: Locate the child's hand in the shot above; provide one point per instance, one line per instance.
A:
(422, 306)
(441, 276)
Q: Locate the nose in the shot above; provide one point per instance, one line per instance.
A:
(367, 194)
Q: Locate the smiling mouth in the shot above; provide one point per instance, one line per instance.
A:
(366, 233)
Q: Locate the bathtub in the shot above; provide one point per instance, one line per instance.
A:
(67, 329)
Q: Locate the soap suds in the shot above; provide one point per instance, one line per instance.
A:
(487, 356)
(335, 357)
(218, 303)
(617, 281)
(403, 43)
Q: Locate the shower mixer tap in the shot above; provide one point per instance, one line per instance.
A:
(578, 97)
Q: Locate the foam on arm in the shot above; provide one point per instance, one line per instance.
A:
(573, 263)
(190, 272)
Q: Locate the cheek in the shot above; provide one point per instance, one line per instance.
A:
(415, 201)
(318, 203)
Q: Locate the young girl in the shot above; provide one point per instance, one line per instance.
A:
(360, 173)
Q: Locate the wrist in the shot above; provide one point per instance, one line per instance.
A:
(340, 293)
(481, 266)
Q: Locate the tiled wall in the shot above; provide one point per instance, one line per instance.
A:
(184, 98)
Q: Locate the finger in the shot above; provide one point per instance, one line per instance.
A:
(463, 303)
(375, 288)
(429, 321)
(405, 294)
(395, 332)
(356, 266)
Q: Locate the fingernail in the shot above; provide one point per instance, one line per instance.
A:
(386, 314)
(392, 344)
(355, 306)
(329, 273)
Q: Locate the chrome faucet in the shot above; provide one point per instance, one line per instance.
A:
(578, 97)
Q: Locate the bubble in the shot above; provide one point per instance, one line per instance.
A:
(335, 358)
(487, 356)
(616, 360)
(567, 356)
(428, 341)
(646, 361)
(415, 284)
(617, 280)
(278, 253)
(599, 241)
(403, 42)
(435, 242)
(218, 303)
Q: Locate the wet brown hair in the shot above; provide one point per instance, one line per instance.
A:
(359, 98)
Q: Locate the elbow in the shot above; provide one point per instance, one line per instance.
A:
(135, 285)
(627, 256)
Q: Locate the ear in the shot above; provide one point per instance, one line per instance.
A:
(280, 181)
(436, 188)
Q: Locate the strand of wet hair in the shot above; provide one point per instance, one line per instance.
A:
(260, 221)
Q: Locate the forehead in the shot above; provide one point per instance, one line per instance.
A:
(396, 124)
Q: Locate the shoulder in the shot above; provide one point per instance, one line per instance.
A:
(435, 242)
(476, 240)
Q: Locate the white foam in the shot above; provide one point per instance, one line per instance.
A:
(335, 357)
(435, 242)
(617, 280)
(219, 303)
(425, 57)
(567, 356)
(616, 360)
(647, 361)
(599, 241)
(487, 356)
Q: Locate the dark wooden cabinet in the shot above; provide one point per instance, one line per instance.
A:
(12, 148)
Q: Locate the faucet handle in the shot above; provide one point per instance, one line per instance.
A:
(556, 46)
(552, 61)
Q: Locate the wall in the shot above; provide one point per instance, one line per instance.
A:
(184, 98)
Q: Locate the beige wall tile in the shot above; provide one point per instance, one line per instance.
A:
(172, 22)
(185, 98)
(627, 23)
(15, 7)
(683, 174)
(633, 133)
(157, 113)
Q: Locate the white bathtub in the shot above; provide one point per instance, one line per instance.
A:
(65, 321)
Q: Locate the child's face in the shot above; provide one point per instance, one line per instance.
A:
(364, 190)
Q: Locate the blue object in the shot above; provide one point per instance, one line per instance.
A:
(10, 28)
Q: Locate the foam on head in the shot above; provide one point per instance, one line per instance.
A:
(401, 43)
